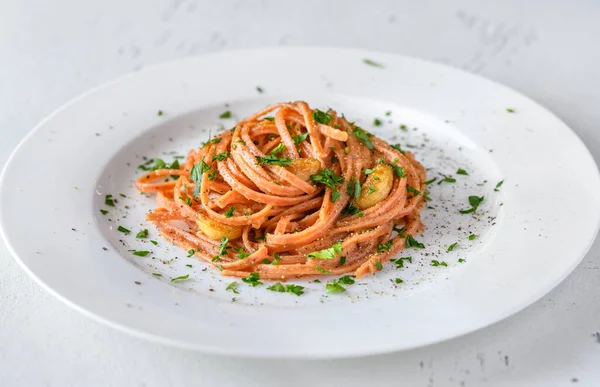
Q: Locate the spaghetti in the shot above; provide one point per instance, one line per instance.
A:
(300, 193)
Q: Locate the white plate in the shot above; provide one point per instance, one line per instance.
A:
(531, 233)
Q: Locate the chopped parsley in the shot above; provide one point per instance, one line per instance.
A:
(378, 265)
(157, 274)
(372, 63)
(174, 165)
(430, 181)
(334, 287)
(351, 209)
(191, 252)
(212, 141)
(400, 231)
(123, 230)
(321, 270)
(160, 113)
(363, 136)
(388, 113)
(461, 171)
(187, 200)
(252, 279)
(212, 175)
(299, 138)
(189, 265)
(499, 185)
(335, 195)
(221, 156)
(180, 278)
(278, 149)
(342, 260)
(321, 117)
(154, 242)
(270, 119)
(142, 234)
(371, 190)
(412, 242)
(368, 171)
(196, 175)
(327, 254)
(472, 237)
(104, 212)
(398, 280)
(141, 253)
(346, 280)
(278, 287)
(259, 89)
(452, 247)
(510, 110)
(225, 115)
(377, 122)
(447, 179)
(381, 247)
(108, 200)
(274, 160)
(229, 212)
(223, 245)
(295, 289)
(413, 190)
(233, 287)
(327, 177)
(241, 253)
(400, 261)
(474, 201)
(438, 263)
(398, 170)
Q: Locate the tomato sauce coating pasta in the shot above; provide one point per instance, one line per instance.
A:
(291, 192)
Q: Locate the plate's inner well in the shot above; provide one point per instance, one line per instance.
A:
(460, 168)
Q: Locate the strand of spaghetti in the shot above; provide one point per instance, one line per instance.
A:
(248, 262)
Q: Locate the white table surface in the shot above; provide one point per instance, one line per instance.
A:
(51, 51)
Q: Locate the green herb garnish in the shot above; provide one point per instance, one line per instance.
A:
(461, 171)
(104, 212)
(334, 287)
(299, 138)
(274, 160)
(327, 177)
(229, 212)
(233, 287)
(141, 253)
(123, 230)
(412, 242)
(472, 237)
(252, 279)
(452, 246)
(191, 252)
(438, 263)
(377, 122)
(378, 265)
(225, 115)
(221, 156)
(108, 200)
(499, 185)
(474, 201)
(381, 247)
(321, 117)
(142, 234)
(321, 270)
(327, 254)
(363, 136)
(372, 63)
(180, 278)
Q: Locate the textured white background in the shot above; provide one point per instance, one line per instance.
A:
(52, 51)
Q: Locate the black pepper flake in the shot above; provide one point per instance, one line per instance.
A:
(105, 249)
